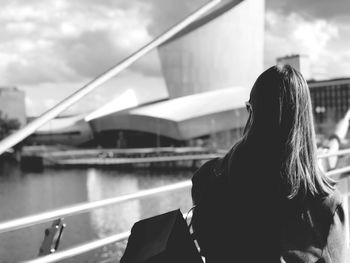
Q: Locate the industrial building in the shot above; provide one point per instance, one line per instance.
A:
(331, 101)
(210, 119)
(12, 104)
(225, 52)
(330, 98)
(208, 72)
(70, 130)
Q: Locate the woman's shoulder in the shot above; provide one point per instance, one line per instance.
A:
(332, 227)
(326, 206)
(212, 167)
(321, 234)
(205, 176)
(321, 213)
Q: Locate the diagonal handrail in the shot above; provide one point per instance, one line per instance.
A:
(80, 249)
(95, 244)
(332, 154)
(30, 128)
(27, 221)
(86, 247)
(87, 206)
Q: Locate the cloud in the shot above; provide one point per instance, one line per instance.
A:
(294, 34)
(312, 8)
(57, 41)
(51, 48)
(60, 45)
(42, 41)
(40, 96)
(93, 52)
(166, 13)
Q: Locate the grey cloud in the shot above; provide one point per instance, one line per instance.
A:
(70, 58)
(93, 52)
(313, 8)
(161, 14)
(38, 69)
(166, 13)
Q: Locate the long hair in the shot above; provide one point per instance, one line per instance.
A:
(281, 120)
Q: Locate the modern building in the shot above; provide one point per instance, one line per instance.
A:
(330, 98)
(72, 130)
(331, 101)
(209, 69)
(223, 49)
(12, 104)
(213, 119)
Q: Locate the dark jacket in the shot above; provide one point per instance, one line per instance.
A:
(251, 226)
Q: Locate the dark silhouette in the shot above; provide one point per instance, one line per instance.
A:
(267, 200)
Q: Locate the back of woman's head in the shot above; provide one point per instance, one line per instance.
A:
(281, 123)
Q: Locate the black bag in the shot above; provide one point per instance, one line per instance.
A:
(161, 239)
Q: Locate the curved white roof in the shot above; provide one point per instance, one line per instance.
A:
(183, 118)
(60, 124)
(193, 106)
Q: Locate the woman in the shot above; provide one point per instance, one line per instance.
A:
(267, 200)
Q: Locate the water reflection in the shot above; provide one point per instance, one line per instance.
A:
(23, 194)
(116, 218)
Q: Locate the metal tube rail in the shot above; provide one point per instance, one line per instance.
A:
(338, 171)
(77, 250)
(30, 128)
(80, 249)
(337, 153)
(87, 206)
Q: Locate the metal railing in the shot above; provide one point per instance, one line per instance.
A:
(88, 206)
(332, 154)
(80, 249)
(85, 207)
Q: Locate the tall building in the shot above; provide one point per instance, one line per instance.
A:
(12, 104)
(209, 69)
(330, 98)
(225, 52)
(330, 101)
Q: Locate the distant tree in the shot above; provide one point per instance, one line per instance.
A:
(7, 125)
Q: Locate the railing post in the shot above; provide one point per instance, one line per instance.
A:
(347, 222)
(52, 237)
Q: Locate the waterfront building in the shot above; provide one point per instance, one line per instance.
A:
(12, 103)
(213, 119)
(331, 101)
(70, 130)
(209, 69)
(330, 98)
(225, 52)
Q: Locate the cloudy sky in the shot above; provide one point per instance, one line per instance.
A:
(49, 48)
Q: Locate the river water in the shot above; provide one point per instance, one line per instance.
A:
(23, 193)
